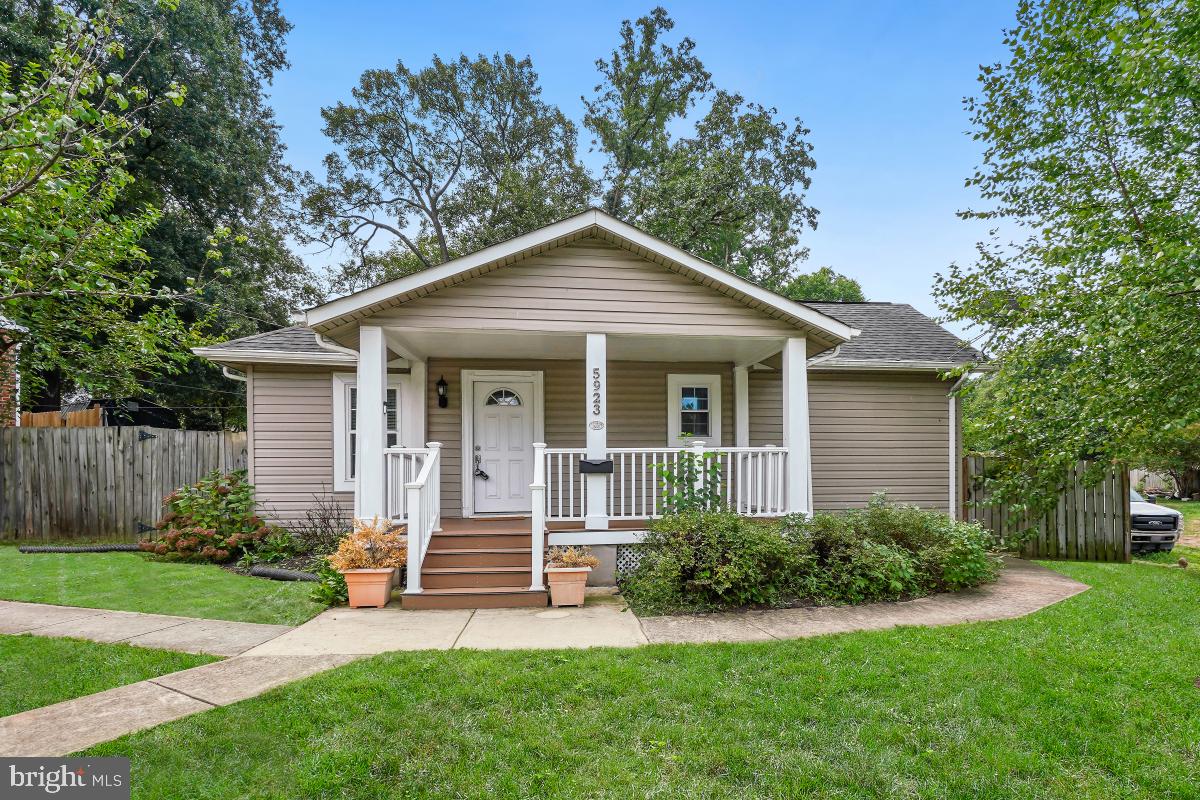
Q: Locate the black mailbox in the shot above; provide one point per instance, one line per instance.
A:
(595, 466)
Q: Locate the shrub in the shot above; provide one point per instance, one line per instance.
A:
(691, 483)
(211, 520)
(330, 588)
(324, 524)
(371, 545)
(704, 560)
(888, 551)
(698, 560)
(571, 557)
(277, 546)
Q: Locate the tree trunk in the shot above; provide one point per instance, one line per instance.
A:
(1187, 481)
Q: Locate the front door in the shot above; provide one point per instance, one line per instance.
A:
(503, 447)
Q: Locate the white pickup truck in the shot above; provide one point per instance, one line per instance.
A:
(1154, 527)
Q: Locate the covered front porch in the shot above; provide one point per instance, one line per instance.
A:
(564, 436)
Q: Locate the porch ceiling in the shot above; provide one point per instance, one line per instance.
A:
(425, 343)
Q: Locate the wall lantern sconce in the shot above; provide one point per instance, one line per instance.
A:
(442, 389)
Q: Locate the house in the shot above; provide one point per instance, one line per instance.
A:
(523, 395)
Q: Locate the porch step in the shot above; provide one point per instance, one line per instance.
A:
(482, 557)
(460, 577)
(478, 540)
(482, 597)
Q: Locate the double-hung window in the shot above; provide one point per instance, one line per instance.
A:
(693, 409)
(345, 426)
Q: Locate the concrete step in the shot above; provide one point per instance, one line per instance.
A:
(493, 597)
(472, 577)
(487, 557)
(478, 540)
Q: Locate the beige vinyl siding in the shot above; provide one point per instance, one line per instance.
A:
(589, 285)
(291, 450)
(637, 407)
(870, 432)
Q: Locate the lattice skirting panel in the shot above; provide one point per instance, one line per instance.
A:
(628, 557)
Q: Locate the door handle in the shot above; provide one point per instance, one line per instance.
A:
(479, 473)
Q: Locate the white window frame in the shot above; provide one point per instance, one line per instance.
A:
(675, 385)
(343, 382)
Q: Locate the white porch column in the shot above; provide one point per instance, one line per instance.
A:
(596, 513)
(795, 425)
(370, 496)
(741, 406)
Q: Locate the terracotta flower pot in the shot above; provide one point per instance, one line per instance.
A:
(369, 588)
(567, 585)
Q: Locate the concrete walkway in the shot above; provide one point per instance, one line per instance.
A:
(186, 634)
(265, 659)
(74, 725)
(602, 622)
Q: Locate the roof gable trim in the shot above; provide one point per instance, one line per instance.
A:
(560, 233)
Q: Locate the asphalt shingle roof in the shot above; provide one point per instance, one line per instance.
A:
(895, 332)
(296, 339)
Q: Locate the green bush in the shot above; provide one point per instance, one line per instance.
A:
(696, 561)
(211, 520)
(702, 560)
(330, 588)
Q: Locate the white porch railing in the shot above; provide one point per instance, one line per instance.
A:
(753, 480)
(403, 465)
(417, 470)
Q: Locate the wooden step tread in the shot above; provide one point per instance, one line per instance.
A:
(463, 551)
(481, 590)
(481, 533)
(471, 570)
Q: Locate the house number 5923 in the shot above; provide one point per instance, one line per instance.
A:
(595, 391)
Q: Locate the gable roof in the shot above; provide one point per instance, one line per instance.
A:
(896, 335)
(593, 222)
(295, 345)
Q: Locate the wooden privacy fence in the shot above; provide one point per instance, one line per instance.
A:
(87, 418)
(105, 483)
(1090, 523)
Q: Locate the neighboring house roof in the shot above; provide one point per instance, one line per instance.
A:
(593, 222)
(893, 335)
(293, 345)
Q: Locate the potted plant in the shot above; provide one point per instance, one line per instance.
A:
(567, 570)
(368, 558)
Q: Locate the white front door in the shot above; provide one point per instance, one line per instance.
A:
(503, 448)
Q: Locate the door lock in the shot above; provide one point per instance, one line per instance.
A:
(479, 473)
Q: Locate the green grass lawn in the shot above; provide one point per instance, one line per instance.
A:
(131, 582)
(37, 671)
(1091, 698)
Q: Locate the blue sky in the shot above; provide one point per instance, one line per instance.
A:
(880, 85)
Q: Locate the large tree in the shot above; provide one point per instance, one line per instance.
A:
(1090, 131)
(75, 292)
(439, 161)
(443, 160)
(733, 191)
(214, 162)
